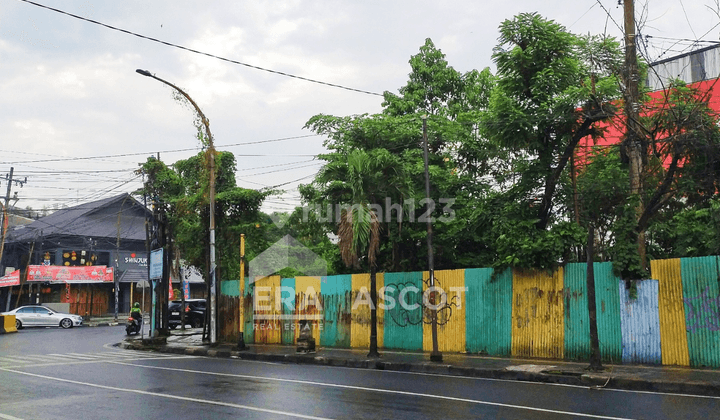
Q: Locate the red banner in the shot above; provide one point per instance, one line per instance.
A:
(79, 274)
(12, 279)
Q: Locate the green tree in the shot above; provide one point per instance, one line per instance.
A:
(552, 88)
(181, 193)
(360, 181)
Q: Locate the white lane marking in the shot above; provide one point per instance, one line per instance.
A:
(471, 378)
(175, 397)
(13, 359)
(381, 390)
(83, 355)
(629, 391)
(67, 356)
(83, 362)
(8, 417)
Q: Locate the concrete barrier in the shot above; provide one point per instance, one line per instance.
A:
(7, 324)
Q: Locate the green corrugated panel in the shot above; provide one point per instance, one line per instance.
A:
(577, 320)
(488, 311)
(335, 292)
(700, 278)
(229, 287)
(403, 325)
(287, 324)
(607, 300)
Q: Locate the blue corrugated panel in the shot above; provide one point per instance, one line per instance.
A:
(488, 311)
(701, 296)
(335, 294)
(608, 312)
(249, 291)
(577, 320)
(640, 323)
(288, 309)
(403, 324)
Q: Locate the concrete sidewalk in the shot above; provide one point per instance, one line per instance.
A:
(105, 321)
(631, 377)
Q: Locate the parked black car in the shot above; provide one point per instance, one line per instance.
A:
(194, 313)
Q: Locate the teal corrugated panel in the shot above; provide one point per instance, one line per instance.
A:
(640, 323)
(249, 332)
(403, 319)
(229, 288)
(488, 311)
(287, 297)
(607, 300)
(701, 296)
(577, 319)
(336, 295)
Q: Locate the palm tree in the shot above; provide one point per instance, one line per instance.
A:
(361, 180)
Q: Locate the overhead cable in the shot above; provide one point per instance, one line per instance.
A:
(200, 52)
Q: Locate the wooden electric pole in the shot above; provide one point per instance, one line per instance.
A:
(633, 142)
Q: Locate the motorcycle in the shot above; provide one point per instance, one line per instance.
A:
(133, 325)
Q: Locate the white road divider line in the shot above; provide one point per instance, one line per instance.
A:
(379, 390)
(82, 362)
(175, 397)
(68, 356)
(13, 359)
(8, 417)
(83, 355)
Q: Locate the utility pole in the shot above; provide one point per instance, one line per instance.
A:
(633, 142)
(435, 355)
(4, 221)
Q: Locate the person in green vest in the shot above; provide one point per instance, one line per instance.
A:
(136, 312)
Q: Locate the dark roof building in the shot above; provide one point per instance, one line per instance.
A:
(108, 232)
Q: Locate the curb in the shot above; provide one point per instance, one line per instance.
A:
(590, 380)
(102, 324)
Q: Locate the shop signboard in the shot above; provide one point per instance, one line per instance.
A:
(12, 279)
(77, 274)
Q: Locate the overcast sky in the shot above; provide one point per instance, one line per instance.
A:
(76, 119)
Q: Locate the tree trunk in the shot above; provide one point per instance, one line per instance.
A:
(373, 313)
(595, 357)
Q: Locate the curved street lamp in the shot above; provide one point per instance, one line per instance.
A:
(211, 151)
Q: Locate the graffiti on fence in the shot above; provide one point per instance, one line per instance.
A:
(703, 311)
(408, 312)
(414, 306)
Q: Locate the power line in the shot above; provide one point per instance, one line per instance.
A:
(162, 151)
(694, 41)
(200, 52)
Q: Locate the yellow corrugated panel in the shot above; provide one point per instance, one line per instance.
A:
(307, 301)
(451, 317)
(673, 335)
(538, 314)
(360, 314)
(266, 331)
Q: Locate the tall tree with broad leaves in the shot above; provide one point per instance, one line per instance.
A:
(680, 147)
(359, 181)
(182, 192)
(552, 88)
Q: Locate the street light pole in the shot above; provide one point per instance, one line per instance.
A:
(435, 355)
(211, 151)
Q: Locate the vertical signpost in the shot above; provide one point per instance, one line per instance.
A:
(156, 272)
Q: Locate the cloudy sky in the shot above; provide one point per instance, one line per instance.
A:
(75, 117)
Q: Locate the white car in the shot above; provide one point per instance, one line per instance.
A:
(40, 316)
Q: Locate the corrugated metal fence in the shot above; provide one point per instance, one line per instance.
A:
(673, 320)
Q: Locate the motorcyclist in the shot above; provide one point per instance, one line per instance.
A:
(136, 312)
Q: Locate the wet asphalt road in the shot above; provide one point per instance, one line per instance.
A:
(78, 374)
